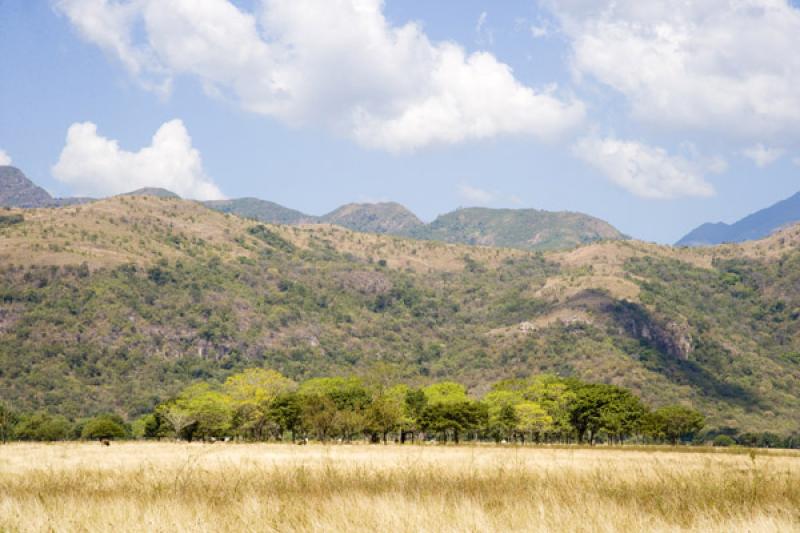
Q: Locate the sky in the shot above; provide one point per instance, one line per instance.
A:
(656, 116)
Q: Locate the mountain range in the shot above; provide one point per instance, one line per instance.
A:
(117, 304)
(527, 229)
(756, 226)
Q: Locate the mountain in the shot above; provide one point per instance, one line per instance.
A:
(16, 190)
(118, 304)
(756, 226)
(262, 210)
(158, 192)
(527, 229)
(386, 217)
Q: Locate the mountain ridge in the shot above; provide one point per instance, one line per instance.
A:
(526, 229)
(755, 226)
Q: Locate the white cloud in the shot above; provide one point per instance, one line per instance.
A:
(762, 155)
(539, 32)
(337, 63)
(647, 171)
(728, 66)
(5, 159)
(796, 161)
(95, 165)
(485, 34)
(474, 195)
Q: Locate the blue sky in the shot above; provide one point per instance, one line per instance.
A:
(652, 117)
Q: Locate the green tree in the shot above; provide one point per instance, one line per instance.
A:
(8, 420)
(532, 419)
(446, 392)
(211, 410)
(503, 418)
(676, 422)
(605, 408)
(454, 418)
(104, 427)
(286, 411)
(386, 412)
(42, 426)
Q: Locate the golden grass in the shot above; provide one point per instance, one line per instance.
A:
(226, 487)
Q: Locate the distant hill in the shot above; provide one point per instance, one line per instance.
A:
(16, 190)
(528, 229)
(387, 217)
(158, 192)
(262, 210)
(756, 226)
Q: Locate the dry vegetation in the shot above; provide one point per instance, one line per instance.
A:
(223, 487)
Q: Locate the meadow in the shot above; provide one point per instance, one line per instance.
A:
(281, 487)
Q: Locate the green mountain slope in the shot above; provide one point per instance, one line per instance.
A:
(528, 229)
(388, 217)
(120, 303)
(262, 210)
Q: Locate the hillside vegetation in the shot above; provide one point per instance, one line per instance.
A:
(119, 304)
(528, 229)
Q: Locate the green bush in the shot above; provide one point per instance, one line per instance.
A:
(723, 441)
(104, 427)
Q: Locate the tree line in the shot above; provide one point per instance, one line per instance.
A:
(264, 405)
(261, 405)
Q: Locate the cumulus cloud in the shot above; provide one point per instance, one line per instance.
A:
(762, 155)
(728, 66)
(5, 159)
(95, 165)
(474, 195)
(338, 63)
(647, 171)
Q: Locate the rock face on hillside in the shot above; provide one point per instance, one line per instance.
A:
(387, 217)
(528, 229)
(16, 190)
(756, 226)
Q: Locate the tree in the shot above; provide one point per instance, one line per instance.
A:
(104, 427)
(532, 419)
(385, 414)
(257, 386)
(251, 393)
(286, 411)
(415, 403)
(319, 415)
(503, 418)
(454, 418)
(211, 410)
(676, 422)
(608, 408)
(179, 419)
(7, 421)
(42, 427)
(446, 392)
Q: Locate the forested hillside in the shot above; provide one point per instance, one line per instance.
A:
(119, 304)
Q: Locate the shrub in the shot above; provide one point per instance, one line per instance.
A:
(104, 427)
(723, 441)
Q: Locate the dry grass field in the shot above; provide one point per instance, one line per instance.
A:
(231, 487)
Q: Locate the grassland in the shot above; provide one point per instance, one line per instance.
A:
(224, 487)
